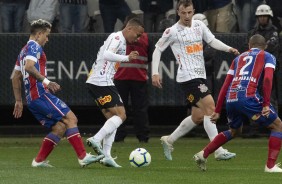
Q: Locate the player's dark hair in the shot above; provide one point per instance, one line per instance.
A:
(185, 3)
(39, 25)
(257, 41)
(127, 18)
(135, 22)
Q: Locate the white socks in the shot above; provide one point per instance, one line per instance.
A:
(107, 144)
(109, 127)
(185, 126)
(211, 130)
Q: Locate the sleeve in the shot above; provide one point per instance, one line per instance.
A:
(17, 65)
(268, 76)
(33, 52)
(165, 40)
(207, 34)
(224, 88)
(267, 85)
(270, 61)
(112, 45)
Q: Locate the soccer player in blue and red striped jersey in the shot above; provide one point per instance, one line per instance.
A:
(249, 72)
(49, 110)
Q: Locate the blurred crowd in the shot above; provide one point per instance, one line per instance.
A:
(105, 16)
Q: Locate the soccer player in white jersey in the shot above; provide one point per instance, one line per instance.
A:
(186, 41)
(101, 87)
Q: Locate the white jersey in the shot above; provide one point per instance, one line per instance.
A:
(104, 68)
(187, 46)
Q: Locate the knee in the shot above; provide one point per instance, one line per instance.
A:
(197, 120)
(123, 117)
(71, 120)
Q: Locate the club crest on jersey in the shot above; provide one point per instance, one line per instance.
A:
(190, 98)
(38, 55)
(197, 30)
(167, 31)
(63, 104)
(203, 88)
(42, 122)
(105, 99)
(117, 37)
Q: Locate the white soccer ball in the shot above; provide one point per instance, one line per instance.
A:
(139, 157)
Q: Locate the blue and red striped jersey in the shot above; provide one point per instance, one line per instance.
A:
(248, 71)
(32, 51)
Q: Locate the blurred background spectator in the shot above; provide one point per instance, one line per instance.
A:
(276, 6)
(131, 80)
(265, 28)
(111, 10)
(12, 15)
(73, 16)
(245, 11)
(154, 12)
(42, 9)
(221, 16)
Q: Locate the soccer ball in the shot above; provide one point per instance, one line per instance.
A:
(139, 157)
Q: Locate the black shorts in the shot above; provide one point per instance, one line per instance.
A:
(105, 96)
(194, 90)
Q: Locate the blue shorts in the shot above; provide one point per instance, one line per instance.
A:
(249, 108)
(48, 109)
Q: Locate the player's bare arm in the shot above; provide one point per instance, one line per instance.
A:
(31, 70)
(17, 88)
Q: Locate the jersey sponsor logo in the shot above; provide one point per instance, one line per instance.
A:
(249, 78)
(105, 99)
(193, 48)
(117, 64)
(232, 100)
(103, 70)
(203, 88)
(238, 88)
(199, 71)
(190, 98)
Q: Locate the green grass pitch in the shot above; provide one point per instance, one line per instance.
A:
(16, 155)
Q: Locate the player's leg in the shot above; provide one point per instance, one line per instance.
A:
(73, 135)
(186, 125)
(107, 146)
(115, 116)
(41, 109)
(274, 146)
(111, 105)
(222, 138)
(207, 105)
(48, 144)
(191, 91)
